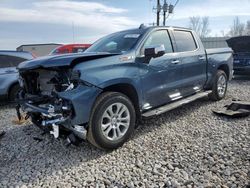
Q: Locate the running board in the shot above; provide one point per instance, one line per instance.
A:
(176, 104)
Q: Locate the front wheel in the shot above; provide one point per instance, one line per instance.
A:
(219, 86)
(112, 120)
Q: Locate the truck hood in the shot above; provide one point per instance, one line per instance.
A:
(239, 44)
(68, 60)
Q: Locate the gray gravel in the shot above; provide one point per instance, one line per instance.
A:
(187, 147)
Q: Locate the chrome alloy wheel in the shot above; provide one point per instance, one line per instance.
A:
(221, 85)
(115, 121)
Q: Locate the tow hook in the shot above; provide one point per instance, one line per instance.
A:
(55, 131)
(19, 116)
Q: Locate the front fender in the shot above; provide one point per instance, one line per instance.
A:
(82, 99)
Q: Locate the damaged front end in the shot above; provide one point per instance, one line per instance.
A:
(51, 98)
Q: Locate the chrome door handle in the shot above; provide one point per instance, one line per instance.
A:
(175, 61)
(10, 71)
(202, 58)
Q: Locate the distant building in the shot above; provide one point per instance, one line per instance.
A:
(215, 42)
(38, 49)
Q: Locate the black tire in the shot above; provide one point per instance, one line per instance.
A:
(216, 95)
(95, 133)
(13, 92)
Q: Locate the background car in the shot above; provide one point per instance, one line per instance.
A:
(9, 85)
(241, 48)
(70, 48)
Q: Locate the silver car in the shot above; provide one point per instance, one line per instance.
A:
(8, 73)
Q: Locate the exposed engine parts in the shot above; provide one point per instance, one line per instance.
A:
(44, 82)
(39, 99)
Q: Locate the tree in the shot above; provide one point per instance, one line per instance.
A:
(247, 29)
(200, 25)
(237, 29)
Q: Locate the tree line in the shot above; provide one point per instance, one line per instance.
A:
(201, 26)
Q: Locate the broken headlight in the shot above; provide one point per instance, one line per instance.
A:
(75, 76)
(20, 81)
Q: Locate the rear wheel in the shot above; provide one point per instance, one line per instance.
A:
(219, 86)
(112, 121)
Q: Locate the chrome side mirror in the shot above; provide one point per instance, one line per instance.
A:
(154, 51)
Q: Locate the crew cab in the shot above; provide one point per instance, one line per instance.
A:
(98, 95)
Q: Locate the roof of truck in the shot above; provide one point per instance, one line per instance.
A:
(143, 28)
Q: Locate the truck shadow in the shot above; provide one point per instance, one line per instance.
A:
(23, 150)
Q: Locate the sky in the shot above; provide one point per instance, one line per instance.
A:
(84, 21)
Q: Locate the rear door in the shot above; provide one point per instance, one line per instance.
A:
(193, 60)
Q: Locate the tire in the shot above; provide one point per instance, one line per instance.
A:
(13, 92)
(107, 129)
(219, 86)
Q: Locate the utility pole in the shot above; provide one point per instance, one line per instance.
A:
(165, 9)
(158, 12)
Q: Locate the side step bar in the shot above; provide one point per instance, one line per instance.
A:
(176, 104)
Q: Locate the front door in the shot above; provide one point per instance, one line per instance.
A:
(161, 76)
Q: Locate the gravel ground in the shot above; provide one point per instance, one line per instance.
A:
(187, 147)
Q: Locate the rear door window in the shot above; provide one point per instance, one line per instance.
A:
(184, 41)
(10, 61)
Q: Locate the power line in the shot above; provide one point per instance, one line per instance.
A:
(176, 3)
(167, 10)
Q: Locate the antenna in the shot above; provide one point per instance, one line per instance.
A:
(73, 32)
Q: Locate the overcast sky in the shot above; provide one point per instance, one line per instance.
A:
(43, 21)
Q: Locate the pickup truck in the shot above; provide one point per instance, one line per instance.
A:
(98, 95)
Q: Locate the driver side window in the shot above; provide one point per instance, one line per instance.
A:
(160, 37)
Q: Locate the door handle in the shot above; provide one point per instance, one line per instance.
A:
(175, 61)
(10, 71)
(202, 58)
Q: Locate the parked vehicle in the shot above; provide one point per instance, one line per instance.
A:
(127, 75)
(241, 48)
(70, 48)
(8, 73)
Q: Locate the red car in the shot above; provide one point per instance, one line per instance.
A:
(70, 48)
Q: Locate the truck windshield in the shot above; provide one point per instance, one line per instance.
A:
(116, 43)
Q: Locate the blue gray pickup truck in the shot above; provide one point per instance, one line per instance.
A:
(125, 76)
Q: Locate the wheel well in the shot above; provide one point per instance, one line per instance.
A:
(127, 90)
(10, 88)
(225, 68)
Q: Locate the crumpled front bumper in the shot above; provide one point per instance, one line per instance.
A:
(81, 100)
(72, 113)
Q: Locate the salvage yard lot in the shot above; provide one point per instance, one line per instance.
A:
(188, 146)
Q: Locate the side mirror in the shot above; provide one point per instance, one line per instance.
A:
(154, 51)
